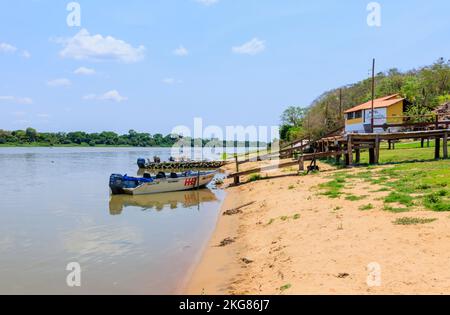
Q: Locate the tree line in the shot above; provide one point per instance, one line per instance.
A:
(108, 138)
(426, 88)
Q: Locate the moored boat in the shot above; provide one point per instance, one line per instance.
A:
(161, 183)
(176, 165)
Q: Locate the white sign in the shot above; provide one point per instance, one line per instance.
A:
(379, 116)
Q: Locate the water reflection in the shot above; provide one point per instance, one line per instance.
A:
(158, 202)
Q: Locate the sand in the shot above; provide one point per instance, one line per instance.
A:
(292, 240)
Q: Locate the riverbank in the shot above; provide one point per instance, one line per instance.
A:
(321, 234)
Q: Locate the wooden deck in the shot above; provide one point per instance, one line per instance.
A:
(349, 146)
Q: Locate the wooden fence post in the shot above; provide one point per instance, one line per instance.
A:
(445, 145)
(358, 156)
(338, 156)
(301, 164)
(437, 149)
(377, 150)
(350, 150)
(236, 178)
(372, 154)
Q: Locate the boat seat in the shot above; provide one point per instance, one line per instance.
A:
(161, 175)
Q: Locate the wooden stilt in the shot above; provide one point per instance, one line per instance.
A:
(350, 150)
(445, 145)
(422, 142)
(338, 156)
(377, 150)
(358, 156)
(372, 155)
(301, 164)
(437, 149)
(236, 178)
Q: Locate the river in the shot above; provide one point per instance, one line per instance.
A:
(56, 209)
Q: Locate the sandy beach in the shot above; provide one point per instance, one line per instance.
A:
(290, 239)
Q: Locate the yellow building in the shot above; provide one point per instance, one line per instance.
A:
(387, 110)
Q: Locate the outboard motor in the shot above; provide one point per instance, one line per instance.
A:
(141, 163)
(116, 184)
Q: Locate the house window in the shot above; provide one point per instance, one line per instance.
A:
(350, 116)
(358, 114)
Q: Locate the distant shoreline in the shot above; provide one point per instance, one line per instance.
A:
(73, 146)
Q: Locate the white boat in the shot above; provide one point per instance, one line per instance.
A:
(123, 184)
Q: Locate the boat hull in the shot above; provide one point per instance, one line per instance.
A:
(167, 185)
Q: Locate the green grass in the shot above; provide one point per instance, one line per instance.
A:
(355, 198)
(401, 198)
(413, 181)
(438, 201)
(285, 287)
(395, 210)
(255, 177)
(333, 189)
(412, 221)
(402, 154)
(367, 207)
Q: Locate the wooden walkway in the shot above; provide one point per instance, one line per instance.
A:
(350, 147)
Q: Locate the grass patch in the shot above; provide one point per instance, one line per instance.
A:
(355, 198)
(367, 207)
(401, 198)
(395, 210)
(296, 217)
(255, 177)
(333, 189)
(412, 221)
(291, 187)
(285, 287)
(437, 201)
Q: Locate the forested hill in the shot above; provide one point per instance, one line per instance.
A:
(425, 88)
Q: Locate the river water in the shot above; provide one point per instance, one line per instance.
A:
(56, 209)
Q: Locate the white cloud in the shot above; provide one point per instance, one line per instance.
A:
(169, 81)
(7, 48)
(84, 71)
(84, 46)
(181, 51)
(207, 2)
(253, 47)
(43, 116)
(59, 82)
(112, 95)
(16, 100)
(26, 54)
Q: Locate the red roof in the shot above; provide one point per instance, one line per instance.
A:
(378, 103)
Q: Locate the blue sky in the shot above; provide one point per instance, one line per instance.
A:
(230, 62)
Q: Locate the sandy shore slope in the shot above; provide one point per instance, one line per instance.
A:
(292, 240)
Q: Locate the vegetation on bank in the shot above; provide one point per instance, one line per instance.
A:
(32, 138)
(425, 88)
(409, 184)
